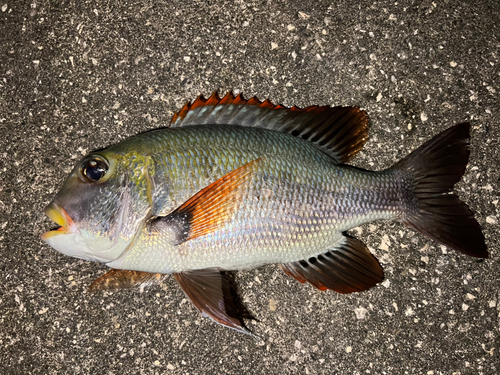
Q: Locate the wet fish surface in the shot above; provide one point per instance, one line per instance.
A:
(235, 184)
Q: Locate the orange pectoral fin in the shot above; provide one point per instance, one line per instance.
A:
(210, 208)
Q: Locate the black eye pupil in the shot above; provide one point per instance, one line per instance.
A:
(95, 173)
(94, 169)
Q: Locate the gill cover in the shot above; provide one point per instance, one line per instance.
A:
(100, 207)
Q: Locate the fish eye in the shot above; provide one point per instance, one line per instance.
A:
(94, 168)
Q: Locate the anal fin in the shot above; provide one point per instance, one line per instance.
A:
(123, 279)
(209, 293)
(349, 267)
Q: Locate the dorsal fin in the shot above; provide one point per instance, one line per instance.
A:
(339, 131)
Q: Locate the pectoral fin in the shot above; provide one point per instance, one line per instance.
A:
(349, 267)
(209, 209)
(209, 292)
(124, 279)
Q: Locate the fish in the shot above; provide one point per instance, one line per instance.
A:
(233, 184)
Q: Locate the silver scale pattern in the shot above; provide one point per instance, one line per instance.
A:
(297, 205)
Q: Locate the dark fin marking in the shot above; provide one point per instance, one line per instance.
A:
(210, 294)
(209, 209)
(433, 210)
(123, 279)
(340, 132)
(232, 297)
(348, 268)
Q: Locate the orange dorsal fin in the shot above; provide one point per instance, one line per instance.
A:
(123, 279)
(209, 209)
(338, 131)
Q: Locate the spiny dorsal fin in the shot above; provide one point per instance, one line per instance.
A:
(209, 209)
(339, 131)
(123, 279)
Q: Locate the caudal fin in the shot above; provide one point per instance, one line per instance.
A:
(435, 211)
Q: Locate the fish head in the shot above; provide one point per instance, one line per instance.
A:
(101, 206)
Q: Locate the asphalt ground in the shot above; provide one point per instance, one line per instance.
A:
(81, 75)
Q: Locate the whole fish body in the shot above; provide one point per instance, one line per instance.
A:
(295, 204)
(235, 184)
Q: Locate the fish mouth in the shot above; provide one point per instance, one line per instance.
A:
(59, 215)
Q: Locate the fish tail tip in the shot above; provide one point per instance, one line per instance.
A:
(432, 208)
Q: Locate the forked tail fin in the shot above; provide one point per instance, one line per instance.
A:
(435, 211)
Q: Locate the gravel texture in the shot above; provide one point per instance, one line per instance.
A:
(81, 75)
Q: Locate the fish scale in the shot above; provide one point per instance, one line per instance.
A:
(280, 222)
(235, 184)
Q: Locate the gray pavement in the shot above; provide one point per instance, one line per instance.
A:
(81, 75)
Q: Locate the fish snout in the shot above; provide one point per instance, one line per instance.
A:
(59, 215)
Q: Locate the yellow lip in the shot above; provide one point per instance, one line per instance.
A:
(59, 215)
